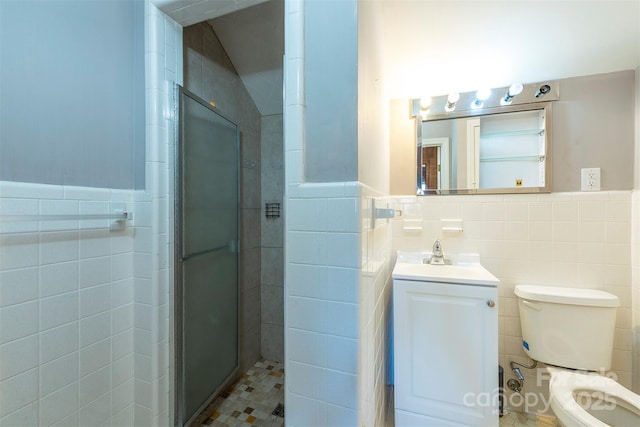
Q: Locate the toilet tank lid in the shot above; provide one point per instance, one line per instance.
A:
(572, 296)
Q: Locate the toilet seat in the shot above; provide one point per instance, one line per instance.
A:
(564, 383)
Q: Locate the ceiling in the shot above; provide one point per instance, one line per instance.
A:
(438, 46)
(189, 12)
(252, 34)
(254, 40)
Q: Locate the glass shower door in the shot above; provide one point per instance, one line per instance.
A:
(207, 254)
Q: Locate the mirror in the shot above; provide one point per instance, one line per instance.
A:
(499, 150)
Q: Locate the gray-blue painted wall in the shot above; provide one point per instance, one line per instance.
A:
(72, 93)
(331, 64)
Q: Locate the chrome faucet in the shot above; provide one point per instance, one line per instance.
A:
(438, 254)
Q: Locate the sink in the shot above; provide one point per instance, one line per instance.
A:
(462, 269)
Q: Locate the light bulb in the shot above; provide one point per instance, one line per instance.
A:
(425, 102)
(515, 89)
(451, 101)
(481, 95)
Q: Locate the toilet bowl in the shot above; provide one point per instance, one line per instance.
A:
(571, 329)
(587, 399)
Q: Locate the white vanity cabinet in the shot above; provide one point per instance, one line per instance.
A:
(445, 346)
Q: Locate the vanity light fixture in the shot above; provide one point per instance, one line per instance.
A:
(513, 91)
(481, 96)
(451, 101)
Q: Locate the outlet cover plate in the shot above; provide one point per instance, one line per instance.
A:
(590, 179)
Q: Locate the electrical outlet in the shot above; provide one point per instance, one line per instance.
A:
(590, 179)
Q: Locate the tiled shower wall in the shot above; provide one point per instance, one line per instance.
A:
(559, 239)
(210, 74)
(66, 308)
(272, 232)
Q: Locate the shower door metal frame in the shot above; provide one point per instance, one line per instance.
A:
(178, 260)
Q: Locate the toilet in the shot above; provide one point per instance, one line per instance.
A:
(572, 331)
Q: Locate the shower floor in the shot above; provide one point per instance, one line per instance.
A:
(254, 400)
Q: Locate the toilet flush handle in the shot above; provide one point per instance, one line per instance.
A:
(536, 307)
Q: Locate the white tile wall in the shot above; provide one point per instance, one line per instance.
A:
(323, 324)
(559, 239)
(338, 293)
(152, 265)
(634, 343)
(60, 294)
(375, 313)
(303, 281)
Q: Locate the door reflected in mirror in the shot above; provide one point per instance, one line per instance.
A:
(506, 151)
(434, 167)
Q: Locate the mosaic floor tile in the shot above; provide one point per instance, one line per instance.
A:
(256, 399)
(517, 419)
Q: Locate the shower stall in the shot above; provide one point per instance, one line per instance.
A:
(206, 256)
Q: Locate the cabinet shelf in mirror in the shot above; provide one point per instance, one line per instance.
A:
(512, 143)
(536, 158)
(539, 132)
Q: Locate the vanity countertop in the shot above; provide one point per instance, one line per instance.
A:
(464, 273)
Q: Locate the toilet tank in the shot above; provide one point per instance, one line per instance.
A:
(568, 327)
